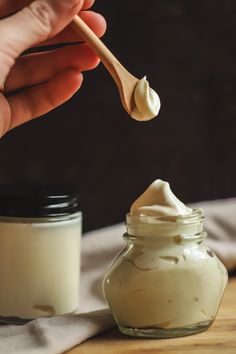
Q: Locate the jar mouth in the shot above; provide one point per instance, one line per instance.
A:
(185, 226)
(196, 216)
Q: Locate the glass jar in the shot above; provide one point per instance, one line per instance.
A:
(39, 255)
(166, 282)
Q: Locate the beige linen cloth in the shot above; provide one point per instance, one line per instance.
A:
(57, 334)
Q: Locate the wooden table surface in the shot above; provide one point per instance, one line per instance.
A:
(219, 338)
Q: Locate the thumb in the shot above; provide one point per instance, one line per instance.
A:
(35, 23)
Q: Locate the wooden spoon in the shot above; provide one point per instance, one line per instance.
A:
(124, 80)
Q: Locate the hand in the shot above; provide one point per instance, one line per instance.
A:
(36, 83)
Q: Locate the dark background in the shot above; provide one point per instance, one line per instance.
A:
(188, 51)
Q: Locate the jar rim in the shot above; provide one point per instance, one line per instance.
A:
(187, 226)
(196, 216)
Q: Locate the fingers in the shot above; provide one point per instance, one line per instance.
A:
(25, 73)
(39, 100)
(87, 4)
(5, 114)
(7, 7)
(35, 23)
(94, 20)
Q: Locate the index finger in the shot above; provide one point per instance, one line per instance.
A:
(95, 21)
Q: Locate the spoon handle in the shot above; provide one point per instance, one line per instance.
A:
(108, 59)
(123, 79)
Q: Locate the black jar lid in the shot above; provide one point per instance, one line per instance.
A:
(37, 201)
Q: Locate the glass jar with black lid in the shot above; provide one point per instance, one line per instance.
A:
(40, 232)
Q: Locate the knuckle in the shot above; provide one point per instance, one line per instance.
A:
(43, 16)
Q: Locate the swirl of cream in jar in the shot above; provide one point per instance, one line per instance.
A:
(158, 200)
(164, 285)
(147, 101)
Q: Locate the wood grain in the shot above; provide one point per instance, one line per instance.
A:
(220, 337)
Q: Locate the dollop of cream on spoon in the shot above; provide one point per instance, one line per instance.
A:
(147, 101)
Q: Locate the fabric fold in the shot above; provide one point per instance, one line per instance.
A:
(53, 335)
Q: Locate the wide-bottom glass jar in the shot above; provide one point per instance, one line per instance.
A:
(39, 255)
(166, 282)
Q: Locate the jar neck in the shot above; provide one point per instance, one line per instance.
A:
(163, 241)
(177, 229)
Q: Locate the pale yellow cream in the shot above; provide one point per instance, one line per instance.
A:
(147, 102)
(158, 200)
(39, 268)
(166, 277)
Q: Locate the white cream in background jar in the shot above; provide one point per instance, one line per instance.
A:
(166, 282)
(39, 255)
